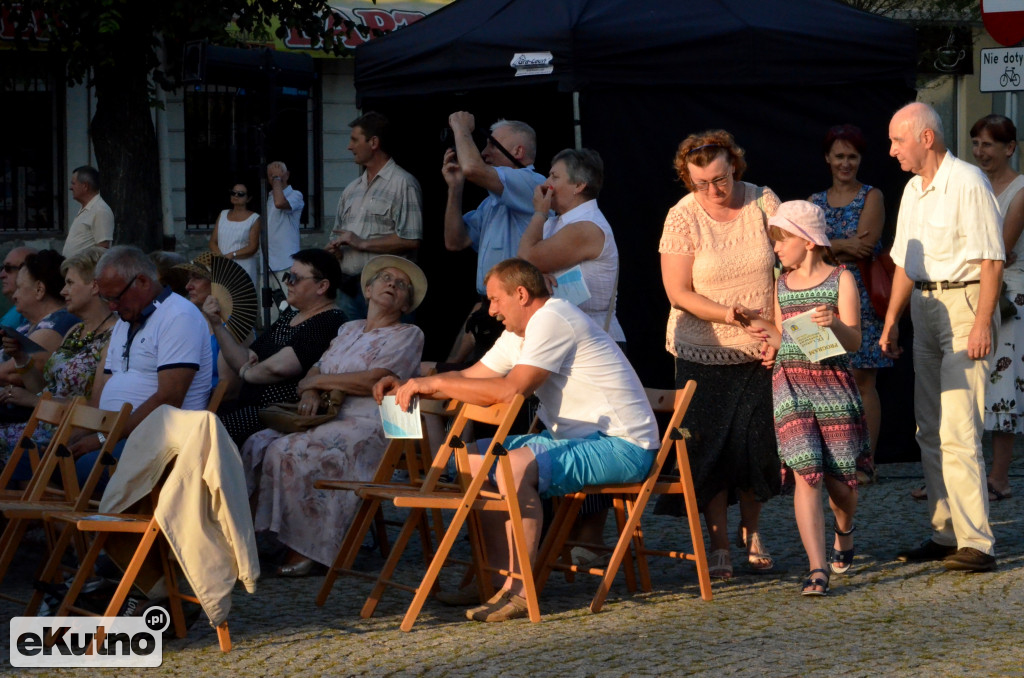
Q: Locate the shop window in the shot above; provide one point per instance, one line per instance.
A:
(30, 184)
(224, 128)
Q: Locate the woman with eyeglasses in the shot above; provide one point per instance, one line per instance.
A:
(282, 469)
(237, 232)
(855, 216)
(715, 252)
(71, 369)
(270, 369)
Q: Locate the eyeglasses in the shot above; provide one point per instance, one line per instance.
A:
(720, 182)
(238, 194)
(397, 282)
(12, 268)
(117, 299)
(289, 278)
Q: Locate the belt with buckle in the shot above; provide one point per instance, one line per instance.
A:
(943, 285)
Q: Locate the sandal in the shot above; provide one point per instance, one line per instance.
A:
(867, 474)
(812, 581)
(720, 565)
(842, 561)
(996, 495)
(920, 493)
(758, 557)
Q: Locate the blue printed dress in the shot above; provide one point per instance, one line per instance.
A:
(841, 223)
(819, 416)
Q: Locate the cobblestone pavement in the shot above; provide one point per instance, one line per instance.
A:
(883, 618)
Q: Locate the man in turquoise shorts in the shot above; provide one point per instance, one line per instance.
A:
(600, 427)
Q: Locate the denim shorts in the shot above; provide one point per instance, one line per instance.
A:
(565, 466)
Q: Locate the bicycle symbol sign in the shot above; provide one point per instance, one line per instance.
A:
(1001, 69)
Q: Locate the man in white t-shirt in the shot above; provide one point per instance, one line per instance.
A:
(159, 351)
(600, 426)
(93, 226)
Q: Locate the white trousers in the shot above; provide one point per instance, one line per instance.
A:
(949, 401)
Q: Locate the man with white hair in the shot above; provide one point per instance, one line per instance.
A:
(284, 210)
(949, 262)
(504, 168)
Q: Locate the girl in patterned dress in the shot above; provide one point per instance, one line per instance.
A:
(819, 416)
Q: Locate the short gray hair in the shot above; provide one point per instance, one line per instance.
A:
(584, 166)
(127, 261)
(87, 174)
(527, 135)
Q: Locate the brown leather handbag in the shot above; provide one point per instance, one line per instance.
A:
(285, 417)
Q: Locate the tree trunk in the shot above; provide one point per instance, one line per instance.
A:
(127, 153)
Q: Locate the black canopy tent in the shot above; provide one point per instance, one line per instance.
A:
(632, 78)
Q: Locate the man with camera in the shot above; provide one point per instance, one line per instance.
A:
(505, 170)
(378, 213)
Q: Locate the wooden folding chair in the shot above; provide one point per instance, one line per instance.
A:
(35, 502)
(47, 411)
(469, 497)
(103, 526)
(217, 396)
(415, 458)
(630, 501)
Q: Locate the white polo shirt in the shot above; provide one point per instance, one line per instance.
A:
(174, 334)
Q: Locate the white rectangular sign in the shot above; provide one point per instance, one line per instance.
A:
(1002, 70)
(996, 6)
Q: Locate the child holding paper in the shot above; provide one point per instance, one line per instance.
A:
(819, 416)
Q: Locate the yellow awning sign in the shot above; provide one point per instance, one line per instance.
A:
(361, 23)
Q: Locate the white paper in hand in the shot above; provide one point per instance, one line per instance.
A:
(397, 422)
(572, 287)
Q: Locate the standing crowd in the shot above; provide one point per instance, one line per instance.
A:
(745, 275)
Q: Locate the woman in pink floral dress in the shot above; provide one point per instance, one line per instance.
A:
(283, 468)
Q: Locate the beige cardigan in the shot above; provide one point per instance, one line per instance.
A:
(203, 507)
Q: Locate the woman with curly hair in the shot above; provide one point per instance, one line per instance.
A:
(715, 253)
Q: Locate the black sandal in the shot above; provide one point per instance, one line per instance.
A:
(842, 560)
(815, 581)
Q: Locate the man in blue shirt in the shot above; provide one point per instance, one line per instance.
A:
(505, 169)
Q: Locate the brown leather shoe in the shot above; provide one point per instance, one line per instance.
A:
(928, 550)
(970, 560)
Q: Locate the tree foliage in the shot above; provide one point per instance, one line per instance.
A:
(123, 48)
(953, 11)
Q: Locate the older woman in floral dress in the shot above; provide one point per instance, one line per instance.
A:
(282, 468)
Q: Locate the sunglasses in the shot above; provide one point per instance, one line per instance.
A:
(238, 194)
(12, 268)
(289, 278)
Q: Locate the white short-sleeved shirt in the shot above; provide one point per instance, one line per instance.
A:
(175, 334)
(945, 231)
(283, 229)
(93, 224)
(592, 387)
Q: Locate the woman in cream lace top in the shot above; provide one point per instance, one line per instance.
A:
(715, 252)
